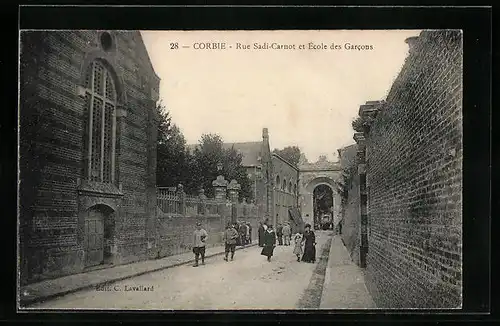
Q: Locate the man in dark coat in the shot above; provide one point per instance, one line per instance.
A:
(261, 231)
(243, 233)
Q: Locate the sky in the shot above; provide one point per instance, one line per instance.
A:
(305, 96)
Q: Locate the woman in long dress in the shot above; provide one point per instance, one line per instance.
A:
(297, 250)
(309, 247)
(269, 243)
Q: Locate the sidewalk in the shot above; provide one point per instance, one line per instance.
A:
(344, 286)
(49, 289)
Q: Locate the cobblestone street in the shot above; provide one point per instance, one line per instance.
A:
(248, 282)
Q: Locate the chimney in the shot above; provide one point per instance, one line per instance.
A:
(411, 41)
(265, 133)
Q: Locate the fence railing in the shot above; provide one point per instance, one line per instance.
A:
(168, 201)
(172, 201)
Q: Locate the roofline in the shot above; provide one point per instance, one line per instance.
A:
(281, 158)
(319, 170)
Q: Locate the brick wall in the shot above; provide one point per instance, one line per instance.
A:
(414, 179)
(351, 220)
(176, 232)
(52, 143)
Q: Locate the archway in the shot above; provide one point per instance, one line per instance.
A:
(323, 207)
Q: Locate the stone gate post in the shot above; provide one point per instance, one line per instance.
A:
(220, 190)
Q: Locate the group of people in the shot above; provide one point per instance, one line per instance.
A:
(305, 242)
(245, 233)
(240, 234)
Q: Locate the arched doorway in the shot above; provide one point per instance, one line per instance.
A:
(323, 207)
(98, 235)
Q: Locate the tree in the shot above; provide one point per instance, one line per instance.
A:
(208, 155)
(172, 165)
(290, 154)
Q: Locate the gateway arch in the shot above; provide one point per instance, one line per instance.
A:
(319, 179)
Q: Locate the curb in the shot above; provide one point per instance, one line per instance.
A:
(23, 304)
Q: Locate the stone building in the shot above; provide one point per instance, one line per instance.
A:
(87, 151)
(274, 180)
(408, 201)
(285, 195)
(312, 175)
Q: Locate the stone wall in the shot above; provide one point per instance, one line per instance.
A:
(350, 202)
(176, 232)
(414, 180)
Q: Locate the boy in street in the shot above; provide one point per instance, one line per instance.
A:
(279, 234)
(230, 237)
(199, 240)
(287, 232)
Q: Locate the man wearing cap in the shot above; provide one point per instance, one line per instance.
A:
(230, 237)
(199, 240)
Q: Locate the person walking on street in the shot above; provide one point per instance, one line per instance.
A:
(279, 234)
(249, 233)
(287, 232)
(199, 240)
(243, 233)
(297, 250)
(309, 246)
(269, 243)
(261, 232)
(230, 237)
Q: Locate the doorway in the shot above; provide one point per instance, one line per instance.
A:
(98, 235)
(323, 207)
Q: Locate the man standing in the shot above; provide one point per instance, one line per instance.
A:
(249, 232)
(243, 233)
(261, 231)
(199, 240)
(287, 232)
(230, 237)
(279, 234)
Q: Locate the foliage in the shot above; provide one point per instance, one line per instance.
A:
(290, 154)
(176, 165)
(362, 124)
(172, 165)
(209, 154)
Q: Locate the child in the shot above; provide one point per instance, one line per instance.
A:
(297, 239)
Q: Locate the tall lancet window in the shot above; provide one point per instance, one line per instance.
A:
(100, 99)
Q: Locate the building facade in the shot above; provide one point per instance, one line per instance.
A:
(285, 189)
(312, 175)
(274, 180)
(87, 151)
(404, 208)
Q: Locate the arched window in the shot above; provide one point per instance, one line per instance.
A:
(100, 97)
(290, 187)
(278, 184)
(283, 186)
